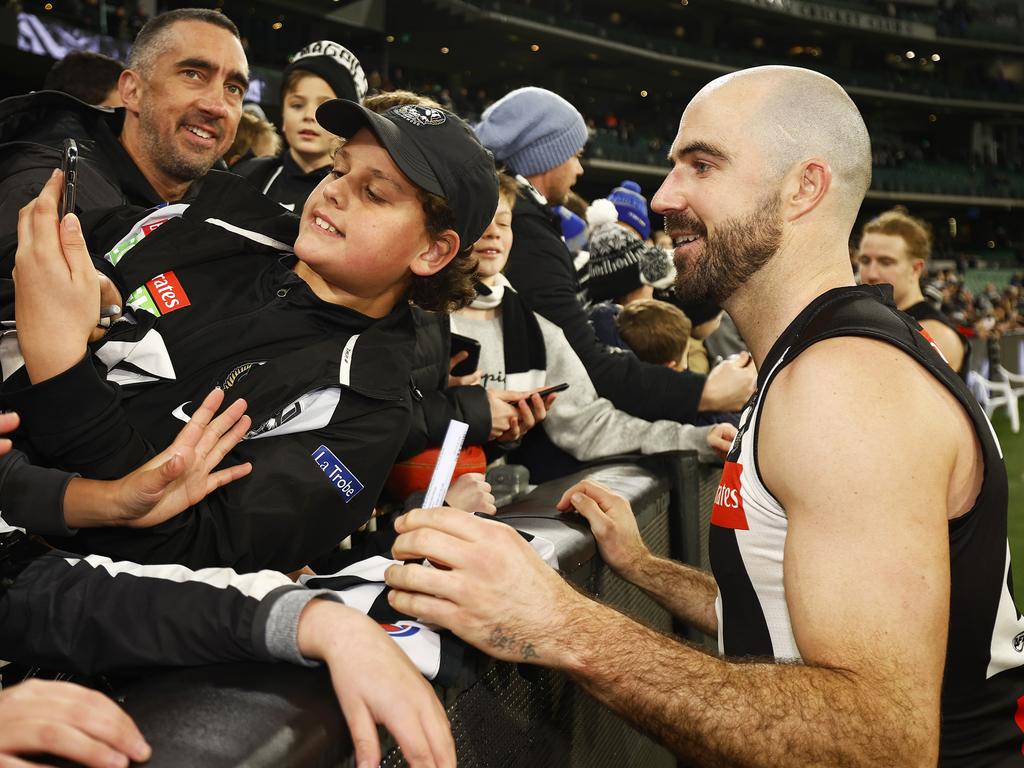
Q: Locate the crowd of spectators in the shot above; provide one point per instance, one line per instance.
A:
(318, 287)
(992, 311)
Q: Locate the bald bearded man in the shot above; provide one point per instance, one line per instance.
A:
(858, 538)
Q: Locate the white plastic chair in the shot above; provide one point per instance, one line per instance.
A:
(998, 394)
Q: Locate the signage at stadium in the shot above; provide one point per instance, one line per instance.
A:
(846, 17)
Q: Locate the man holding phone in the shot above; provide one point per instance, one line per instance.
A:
(182, 94)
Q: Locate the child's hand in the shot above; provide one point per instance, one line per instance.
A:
(472, 493)
(720, 438)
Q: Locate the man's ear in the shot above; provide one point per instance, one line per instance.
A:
(918, 266)
(808, 187)
(129, 85)
(439, 253)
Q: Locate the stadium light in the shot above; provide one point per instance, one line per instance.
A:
(910, 54)
(936, 57)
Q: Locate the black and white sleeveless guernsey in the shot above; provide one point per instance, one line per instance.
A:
(983, 685)
(925, 311)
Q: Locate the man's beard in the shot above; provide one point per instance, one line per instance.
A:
(166, 155)
(740, 247)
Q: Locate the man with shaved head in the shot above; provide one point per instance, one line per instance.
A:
(860, 590)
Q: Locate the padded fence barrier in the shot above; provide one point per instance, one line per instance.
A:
(504, 715)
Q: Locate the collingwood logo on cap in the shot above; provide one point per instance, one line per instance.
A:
(421, 115)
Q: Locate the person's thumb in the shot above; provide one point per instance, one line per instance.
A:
(75, 251)
(154, 482)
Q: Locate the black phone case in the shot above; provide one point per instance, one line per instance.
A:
(462, 343)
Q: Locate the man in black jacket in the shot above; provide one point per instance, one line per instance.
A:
(539, 135)
(182, 94)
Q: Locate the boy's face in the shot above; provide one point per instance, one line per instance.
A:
(493, 247)
(304, 134)
(363, 230)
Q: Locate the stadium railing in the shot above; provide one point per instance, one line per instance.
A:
(260, 715)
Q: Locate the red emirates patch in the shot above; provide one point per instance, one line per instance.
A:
(728, 509)
(167, 293)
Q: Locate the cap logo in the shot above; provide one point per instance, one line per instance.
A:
(421, 115)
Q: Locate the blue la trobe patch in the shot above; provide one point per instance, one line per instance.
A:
(348, 485)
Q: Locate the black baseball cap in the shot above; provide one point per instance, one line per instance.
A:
(434, 148)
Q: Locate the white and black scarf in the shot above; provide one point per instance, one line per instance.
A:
(525, 355)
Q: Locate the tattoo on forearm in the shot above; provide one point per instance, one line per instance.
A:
(505, 640)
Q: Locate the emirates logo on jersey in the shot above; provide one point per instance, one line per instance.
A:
(728, 509)
(167, 293)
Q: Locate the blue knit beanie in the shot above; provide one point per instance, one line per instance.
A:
(532, 130)
(574, 229)
(632, 207)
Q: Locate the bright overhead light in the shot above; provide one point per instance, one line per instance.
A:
(936, 57)
(643, 94)
(910, 54)
(534, 47)
(445, 49)
(276, 25)
(390, 38)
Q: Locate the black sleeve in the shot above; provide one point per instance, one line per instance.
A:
(288, 511)
(92, 615)
(75, 421)
(434, 403)
(540, 269)
(32, 497)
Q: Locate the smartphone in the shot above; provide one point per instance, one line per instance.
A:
(69, 166)
(462, 343)
(551, 390)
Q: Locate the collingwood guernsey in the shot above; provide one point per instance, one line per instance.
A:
(983, 678)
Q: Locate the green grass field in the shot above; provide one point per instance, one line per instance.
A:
(1013, 453)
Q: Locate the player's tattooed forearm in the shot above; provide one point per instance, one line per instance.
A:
(503, 639)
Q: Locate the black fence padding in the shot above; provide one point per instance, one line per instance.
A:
(280, 716)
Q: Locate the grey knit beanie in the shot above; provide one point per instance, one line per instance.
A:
(532, 130)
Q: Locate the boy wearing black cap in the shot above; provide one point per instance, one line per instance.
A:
(318, 339)
(321, 71)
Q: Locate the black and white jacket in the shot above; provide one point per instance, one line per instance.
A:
(216, 303)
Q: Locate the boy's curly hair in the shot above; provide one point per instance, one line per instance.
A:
(452, 288)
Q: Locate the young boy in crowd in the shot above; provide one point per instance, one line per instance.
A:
(656, 331)
(321, 71)
(317, 339)
(623, 267)
(522, 350)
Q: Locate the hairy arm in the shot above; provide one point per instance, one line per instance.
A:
(687, 593)
(867, 581)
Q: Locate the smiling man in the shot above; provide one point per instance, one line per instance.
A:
(182, 93)
(860, 590)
